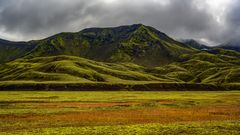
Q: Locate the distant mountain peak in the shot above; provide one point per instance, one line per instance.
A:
(137, 25)
(194, 44)
(233, 44)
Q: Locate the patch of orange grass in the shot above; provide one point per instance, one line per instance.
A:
(80, 104)
(161, 115)
(157, 115)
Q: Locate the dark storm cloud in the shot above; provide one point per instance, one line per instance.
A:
(39, 18)
(234, 16)
(182, 15)
(178, 18)
(233, 21)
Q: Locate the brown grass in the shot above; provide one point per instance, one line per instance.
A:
(161, 115)
(157, 115)
(120, 117)
(80, 104)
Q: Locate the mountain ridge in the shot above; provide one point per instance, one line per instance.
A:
(195, 44)
(10, 50)
(136, 43)
(233, 44)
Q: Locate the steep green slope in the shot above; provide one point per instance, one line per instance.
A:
(12, 50)
(137, 43)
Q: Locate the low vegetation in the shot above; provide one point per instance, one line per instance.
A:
(119, 112)
(222, 128)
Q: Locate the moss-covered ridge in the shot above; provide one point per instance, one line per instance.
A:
(136, 43)
(12, 50)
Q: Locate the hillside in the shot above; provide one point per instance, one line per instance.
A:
(12, 50)
(213, 68)
(70, 68)
(203, 68)
(137, 43)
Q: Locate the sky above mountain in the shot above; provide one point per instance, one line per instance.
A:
(211, 21)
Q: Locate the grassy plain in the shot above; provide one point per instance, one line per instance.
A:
(121, 112)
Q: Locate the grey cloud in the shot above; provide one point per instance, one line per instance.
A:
(233, 21)
(234, 16)
(40, 18)
(178, 18)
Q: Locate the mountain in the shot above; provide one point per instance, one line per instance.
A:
(233, 44)
(194, 44)
(12, 50)
(119, 57)
(136, 43)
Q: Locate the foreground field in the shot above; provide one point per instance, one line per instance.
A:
(221, 128)
(119, 112)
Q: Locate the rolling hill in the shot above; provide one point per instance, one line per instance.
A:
(201, 67)
(71, 68)
(196, 70)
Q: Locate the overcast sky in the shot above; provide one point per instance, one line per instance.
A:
(212, 21)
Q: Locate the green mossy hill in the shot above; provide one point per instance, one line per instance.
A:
(220, 68)
(71, 68)
(136, 43)
(201, 68)
(12, 50)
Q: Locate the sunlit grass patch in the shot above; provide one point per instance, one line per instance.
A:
(213, 128)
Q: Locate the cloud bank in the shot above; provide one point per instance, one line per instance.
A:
(213, 22)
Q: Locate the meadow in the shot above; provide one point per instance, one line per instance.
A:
(119, 112)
